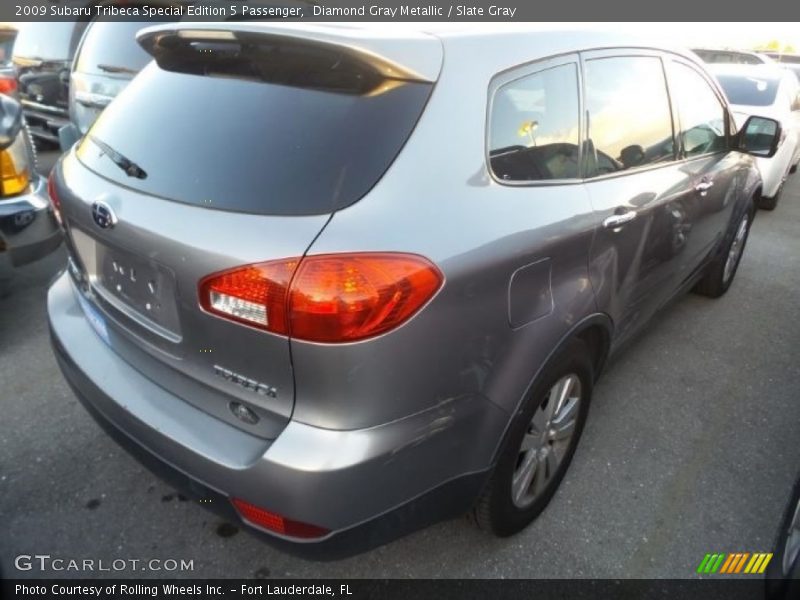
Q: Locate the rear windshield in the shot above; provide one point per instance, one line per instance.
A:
(256, 127)
(727, 57)
(110, 46)
(45, 40)
(750, 91)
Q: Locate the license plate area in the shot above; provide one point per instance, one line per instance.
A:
(96, 320)
(139, 288)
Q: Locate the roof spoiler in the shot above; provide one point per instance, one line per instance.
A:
(403, 55)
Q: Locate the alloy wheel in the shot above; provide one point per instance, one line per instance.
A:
(735, 251)
(546, 441)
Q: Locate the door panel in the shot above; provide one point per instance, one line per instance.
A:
(703, 134)
(638, 191)
(633, 267)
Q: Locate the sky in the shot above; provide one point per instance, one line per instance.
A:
(735, 35)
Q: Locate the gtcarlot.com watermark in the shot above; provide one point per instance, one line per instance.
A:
(47, 563)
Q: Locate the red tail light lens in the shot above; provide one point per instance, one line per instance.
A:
(54, 200)
(348, 297)
(328, 298)
(8, 85)
(275, 522)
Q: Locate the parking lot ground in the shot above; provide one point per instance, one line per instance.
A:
(692, 446)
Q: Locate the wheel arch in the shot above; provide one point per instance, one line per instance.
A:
(596, 331)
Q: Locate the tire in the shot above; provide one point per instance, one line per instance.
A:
(770, 203)
(496, 509)
(782, 581)
(720, 273)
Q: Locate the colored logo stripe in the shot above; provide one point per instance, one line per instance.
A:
(734, 562)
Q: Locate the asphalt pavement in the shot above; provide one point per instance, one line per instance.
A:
(692, 446)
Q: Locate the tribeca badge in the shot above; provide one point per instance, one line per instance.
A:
(734, 563)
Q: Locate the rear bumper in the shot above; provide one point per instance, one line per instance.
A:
(366, 486)
(28, 228)
(44, 121)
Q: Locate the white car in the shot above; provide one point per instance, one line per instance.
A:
(771, 91)
(713, 56)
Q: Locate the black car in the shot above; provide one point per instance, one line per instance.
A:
(43, 57)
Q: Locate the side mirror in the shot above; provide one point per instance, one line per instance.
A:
(760, 136)
(10, 120)
(67, 136)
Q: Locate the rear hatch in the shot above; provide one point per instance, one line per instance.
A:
(233, 148)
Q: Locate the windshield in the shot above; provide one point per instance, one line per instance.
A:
(45, 40)
(749, 91)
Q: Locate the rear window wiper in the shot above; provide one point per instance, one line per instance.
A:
(131, 168)
(117, 69)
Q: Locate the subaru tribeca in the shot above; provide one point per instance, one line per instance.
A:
(344, 282)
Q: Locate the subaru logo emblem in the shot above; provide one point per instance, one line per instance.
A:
(103, 216)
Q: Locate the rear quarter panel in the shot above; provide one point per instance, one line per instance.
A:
(439, 200)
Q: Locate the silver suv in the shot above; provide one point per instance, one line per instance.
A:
(344, 282)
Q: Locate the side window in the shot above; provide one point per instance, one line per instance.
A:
(533, 126)
(701, 114)
(793, 88)
(630, 121)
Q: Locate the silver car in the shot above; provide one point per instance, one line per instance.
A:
(106, 59)
(28, 227)
(344, 282)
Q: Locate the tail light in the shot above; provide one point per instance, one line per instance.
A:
(54, 199)
(8, 85)
(326, 298)
(15, 168)
(277, 523)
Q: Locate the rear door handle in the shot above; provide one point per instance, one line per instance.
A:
(703, 187)
(616, 221)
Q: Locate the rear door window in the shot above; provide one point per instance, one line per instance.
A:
(533, 126)
(701, 113)
(256, 125)
(630, 120)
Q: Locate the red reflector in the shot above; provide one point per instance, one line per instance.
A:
(8, 85)
(326, 298)
(274, 522)
(54, 200)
